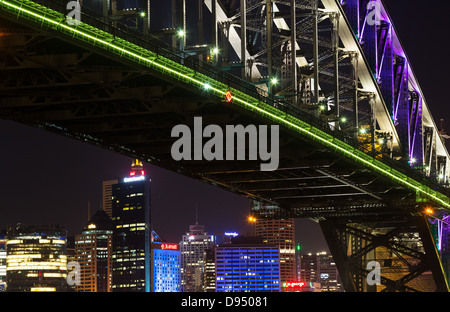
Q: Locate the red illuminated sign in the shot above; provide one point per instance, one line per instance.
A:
(169, 246)
(132, 173)
(228, 96)
(294, 284)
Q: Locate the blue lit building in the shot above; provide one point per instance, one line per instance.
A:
(131, 232)
(166, 267)
(247, 267)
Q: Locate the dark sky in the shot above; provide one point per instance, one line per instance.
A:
(48, 179)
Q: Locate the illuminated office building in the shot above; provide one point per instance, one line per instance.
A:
(132, 232)
(2, 261)
(93, 252)
(247, 266)
(209, 274)
(281, 233)
(319, 272)
(192, 248)
(36, 258)
(166, 267)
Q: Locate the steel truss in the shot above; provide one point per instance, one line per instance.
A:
(401, 245)
(331, 60)
(137, 93)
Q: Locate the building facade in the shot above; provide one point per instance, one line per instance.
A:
(247, 267)
(166, 267)
(281, 233)
(319, 272)
(107, 195)
(132, 232)
(192, 248)
(36, 258)
(93, 252)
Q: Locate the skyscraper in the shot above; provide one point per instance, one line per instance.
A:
(209, 274)
(93, 249)
(166, 267)
(247, 266)
(192, 247)
(107, 196)
(36, 258)
(132, 232)
(281, 233)
(319, 272)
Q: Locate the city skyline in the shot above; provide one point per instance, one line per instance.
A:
(80, 190)
(36, 184)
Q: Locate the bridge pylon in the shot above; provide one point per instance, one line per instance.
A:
(389, 254)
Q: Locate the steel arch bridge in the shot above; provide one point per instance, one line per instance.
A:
(359, 149)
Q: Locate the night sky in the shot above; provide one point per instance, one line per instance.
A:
(50, 179)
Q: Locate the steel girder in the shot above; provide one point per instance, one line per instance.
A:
(401, 92)
(177, 83)
(401, 245)
(72, 92)
(138, 125)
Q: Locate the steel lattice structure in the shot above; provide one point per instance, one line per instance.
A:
(119, 84)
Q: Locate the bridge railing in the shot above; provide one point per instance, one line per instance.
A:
(162, 49)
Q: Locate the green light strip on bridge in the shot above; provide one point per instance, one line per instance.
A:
(169, 67)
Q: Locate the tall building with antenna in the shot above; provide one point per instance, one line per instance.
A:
(192, 248)
(132, 232)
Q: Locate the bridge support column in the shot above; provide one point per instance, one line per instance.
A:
(244, 38)
(269, 20)
(334, 17)
(315, 13)
(354, 58)
(294, 54)
(402, 247)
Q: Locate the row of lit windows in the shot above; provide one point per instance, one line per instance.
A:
(135, 194)
(40, 240)
(251, 260)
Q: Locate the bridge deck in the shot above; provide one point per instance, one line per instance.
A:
(322, 171)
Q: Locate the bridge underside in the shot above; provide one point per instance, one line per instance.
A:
(394, 254)
(79, 92)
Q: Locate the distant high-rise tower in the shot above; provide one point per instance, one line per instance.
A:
(132, 232)
(280, 233)
(36, 258)
(107, 196)
(93, 251)
(247, 265)
(319, 269)
(192, 247)
(166, 267)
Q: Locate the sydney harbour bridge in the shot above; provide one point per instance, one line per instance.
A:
(359, 150)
